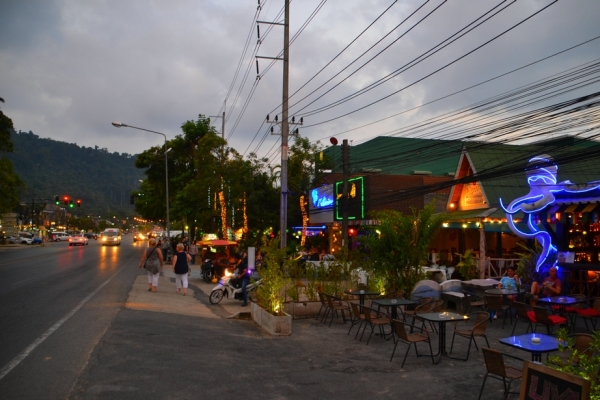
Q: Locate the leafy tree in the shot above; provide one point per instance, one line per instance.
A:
(10, 183)
(399, 245)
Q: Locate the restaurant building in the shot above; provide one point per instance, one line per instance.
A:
(485, 179)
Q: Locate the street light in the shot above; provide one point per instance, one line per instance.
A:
(121, 125)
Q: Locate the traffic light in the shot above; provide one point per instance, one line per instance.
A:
(71, 205)
(66, 200)
(78, 203)
(57, 200)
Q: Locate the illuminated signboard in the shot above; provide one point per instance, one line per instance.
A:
(356, 199)
(320, 204)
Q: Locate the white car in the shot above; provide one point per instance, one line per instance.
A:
(78, 239)
(24, 240)
(60, 236)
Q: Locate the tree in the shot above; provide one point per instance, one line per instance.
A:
(10, 183)
(399, 245)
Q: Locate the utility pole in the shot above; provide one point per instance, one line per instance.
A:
(284, 121)
(345, 194)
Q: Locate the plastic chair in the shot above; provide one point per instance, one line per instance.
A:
(398, 328)
(449, 272)
(497, 369)
(478, 330)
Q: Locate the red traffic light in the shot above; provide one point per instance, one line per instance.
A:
(66, 200)
(78, 203)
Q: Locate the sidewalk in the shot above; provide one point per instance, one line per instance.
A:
(167, 300)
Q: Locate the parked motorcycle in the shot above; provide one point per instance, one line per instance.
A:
(207, 270)
(231, 288)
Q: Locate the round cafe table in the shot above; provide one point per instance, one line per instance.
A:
(504, 292)
(361, 293)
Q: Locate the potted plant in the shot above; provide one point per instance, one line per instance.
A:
(526, 270)
(467, 267)
(268, 311)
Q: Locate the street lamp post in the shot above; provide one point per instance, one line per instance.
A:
(121, 125)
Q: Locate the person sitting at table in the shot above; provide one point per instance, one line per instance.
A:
(551, 286)
(510, 281)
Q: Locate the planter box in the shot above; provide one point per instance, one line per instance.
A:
(302, 309)
(275, 325)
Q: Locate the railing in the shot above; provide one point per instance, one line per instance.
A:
(496, 267)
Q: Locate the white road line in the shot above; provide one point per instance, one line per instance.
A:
(17, 360)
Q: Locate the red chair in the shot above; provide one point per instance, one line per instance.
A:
(591, 313)
(542, 317)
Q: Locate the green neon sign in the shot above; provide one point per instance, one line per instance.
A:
(356, 198)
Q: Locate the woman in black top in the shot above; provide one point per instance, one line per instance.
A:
(181, 268)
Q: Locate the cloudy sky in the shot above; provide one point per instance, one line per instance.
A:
(68, 68)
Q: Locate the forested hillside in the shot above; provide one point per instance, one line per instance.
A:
(102, 180)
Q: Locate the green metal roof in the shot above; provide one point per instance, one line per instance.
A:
(400, 156)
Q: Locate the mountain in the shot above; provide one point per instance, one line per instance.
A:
(102, 181)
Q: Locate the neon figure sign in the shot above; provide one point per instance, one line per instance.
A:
(544, 191)
(320, 200)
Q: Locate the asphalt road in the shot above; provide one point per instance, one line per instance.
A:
(56, 302)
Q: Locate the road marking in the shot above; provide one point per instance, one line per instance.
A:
(17, 360)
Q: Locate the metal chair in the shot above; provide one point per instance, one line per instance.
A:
(398, 328)
(356, 318)
(495, 304)
(524, 313)
(478, 330)
(497, 369)
(336, 304)
(374, 318)
(591, 313)
(542, 317)
(473, 301)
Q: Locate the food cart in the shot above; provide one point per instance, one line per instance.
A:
(220, 252)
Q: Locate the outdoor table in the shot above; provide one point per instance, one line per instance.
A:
(442, 318)
(547, 344)
(562, 303)
(393, 304)
(504, 292)
(361, 293)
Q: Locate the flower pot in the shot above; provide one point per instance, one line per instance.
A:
(276, 325)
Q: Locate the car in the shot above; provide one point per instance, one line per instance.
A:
(24, 240)
(139, 236)
(60, 236)
(91, 235)
(36, 240)
(111, 236)
(78, 239)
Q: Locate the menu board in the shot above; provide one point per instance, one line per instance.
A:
(541, 382)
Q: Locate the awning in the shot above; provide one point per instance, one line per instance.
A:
(573, 207)
(472, 214)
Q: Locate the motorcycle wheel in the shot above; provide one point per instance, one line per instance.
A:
(208, 276)
(216, 297)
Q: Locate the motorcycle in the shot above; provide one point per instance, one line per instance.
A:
(231, 288)
(207, 270)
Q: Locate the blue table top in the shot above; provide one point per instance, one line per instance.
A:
(547, 343)
(560, 300)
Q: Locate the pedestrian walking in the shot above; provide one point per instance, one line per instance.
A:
(181, 268)
(152, 260)
(193, 250)
(165, 248)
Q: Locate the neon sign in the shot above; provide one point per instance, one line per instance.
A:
(356, 199)
(544, 191)
(320, 199)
